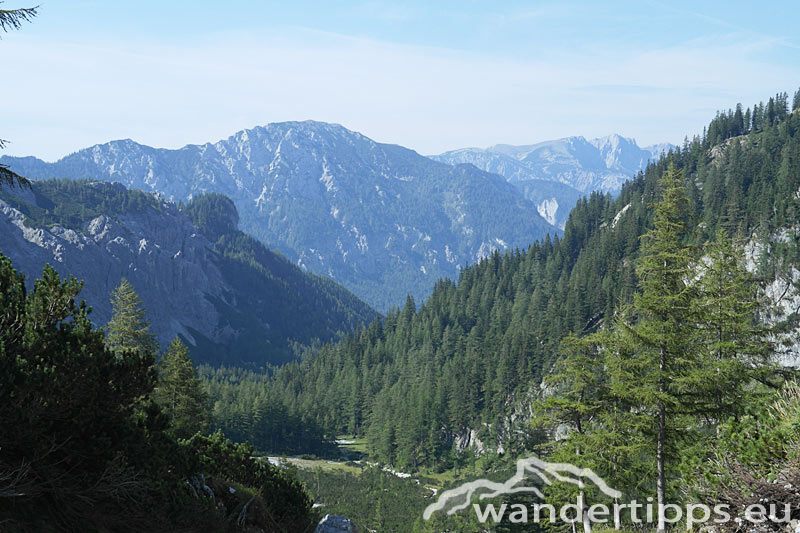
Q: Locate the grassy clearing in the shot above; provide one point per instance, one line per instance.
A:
(352, 444)
(324, 464)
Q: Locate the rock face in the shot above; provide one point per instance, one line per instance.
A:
(182, 281)
(553, 200)
(380, 219)
(159, 251)
(336, 524)
(580, 165)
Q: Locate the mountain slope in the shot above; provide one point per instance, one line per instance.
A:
(583, 165)
(459, 372)
(380, 219)
(230, 298)
(553, 200)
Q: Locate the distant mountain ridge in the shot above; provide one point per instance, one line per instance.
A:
(381, 219)
(583, 165)
(587, 165)
(231, 299)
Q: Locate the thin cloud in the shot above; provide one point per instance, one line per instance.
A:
(70, 95)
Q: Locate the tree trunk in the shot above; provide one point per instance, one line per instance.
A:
(662, 435)
(587, 524)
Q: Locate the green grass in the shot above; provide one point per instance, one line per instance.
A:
(441, 478)
(324, 464)
(354, 444)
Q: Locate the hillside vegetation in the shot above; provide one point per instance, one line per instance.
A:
(459, 371)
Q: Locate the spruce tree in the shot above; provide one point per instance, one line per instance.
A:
(180, 393)
(128, 329)
(578, 395)
(736, 344)
(654, 354)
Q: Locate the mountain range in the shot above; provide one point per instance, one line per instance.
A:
(380, 219)
(579, 165)
(231, 299)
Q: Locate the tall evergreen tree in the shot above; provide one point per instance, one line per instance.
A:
(578, 396)
(734, 337)
(180, 393)
(652, 375)
(128, 329)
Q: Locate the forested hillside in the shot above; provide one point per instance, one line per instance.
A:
(427, 382)
(228, 296)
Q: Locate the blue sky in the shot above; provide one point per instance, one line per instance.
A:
(430, 75)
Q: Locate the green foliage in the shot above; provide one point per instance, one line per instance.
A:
(752, 459)
(85, 448)
(73, 426)
(730, 316)
(644, 395)
(652, 357)
(276, 502)
(475, 351)
(215, 214)
(73, 203)
(247, 411)
(297, 306)
(179, 393)
(592, 422)
(374, 500)
(128, 330)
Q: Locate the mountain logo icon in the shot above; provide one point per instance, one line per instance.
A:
(453, 500)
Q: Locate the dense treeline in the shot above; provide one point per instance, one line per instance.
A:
(424, 383)
(640, 400)
(72, 203)
(373, 499)
(91, 428)
(246, 410)
(298, 306)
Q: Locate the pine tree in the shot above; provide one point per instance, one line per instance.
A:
(128, 329)
(66, 403)
(180, 393)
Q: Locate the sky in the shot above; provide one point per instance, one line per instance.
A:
(432, 76)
